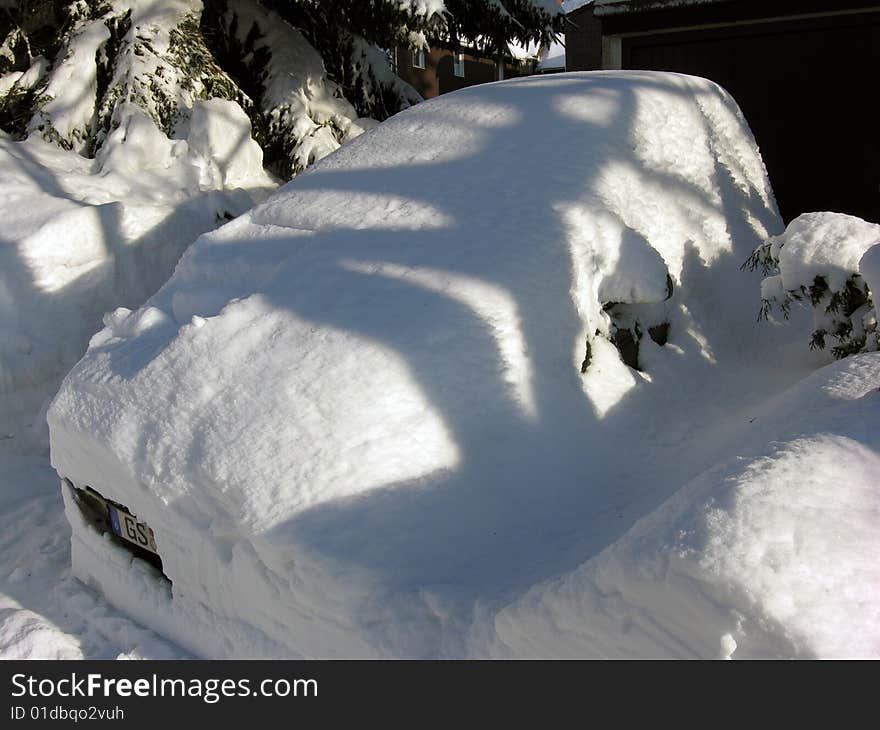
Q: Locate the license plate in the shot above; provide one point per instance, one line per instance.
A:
(128, 528)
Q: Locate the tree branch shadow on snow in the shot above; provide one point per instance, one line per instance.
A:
(532, 485)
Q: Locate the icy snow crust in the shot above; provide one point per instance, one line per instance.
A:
(356, 420)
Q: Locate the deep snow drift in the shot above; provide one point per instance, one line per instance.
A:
(81, 236)
(357, 421)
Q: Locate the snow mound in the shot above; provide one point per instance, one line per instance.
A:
(765, 555)
(377, 412)
(219, 132)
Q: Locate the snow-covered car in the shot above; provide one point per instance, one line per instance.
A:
(486, 381)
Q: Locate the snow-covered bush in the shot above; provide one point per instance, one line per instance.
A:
(311, 74)
(107, 59)
(115, 60)
(817, 259)
(305, 114)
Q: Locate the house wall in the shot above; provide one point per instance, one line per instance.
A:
(438, 77)
(803, 74)
(583, 40)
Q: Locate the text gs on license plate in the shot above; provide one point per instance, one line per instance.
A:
(128, 528)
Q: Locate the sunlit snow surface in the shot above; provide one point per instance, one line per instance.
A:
(356, 420)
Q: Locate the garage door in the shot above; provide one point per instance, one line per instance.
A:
(809, 90)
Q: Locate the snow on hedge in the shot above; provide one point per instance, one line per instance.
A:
(387, 413)
(817, 258)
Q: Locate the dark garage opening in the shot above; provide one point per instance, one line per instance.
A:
(808, 89)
